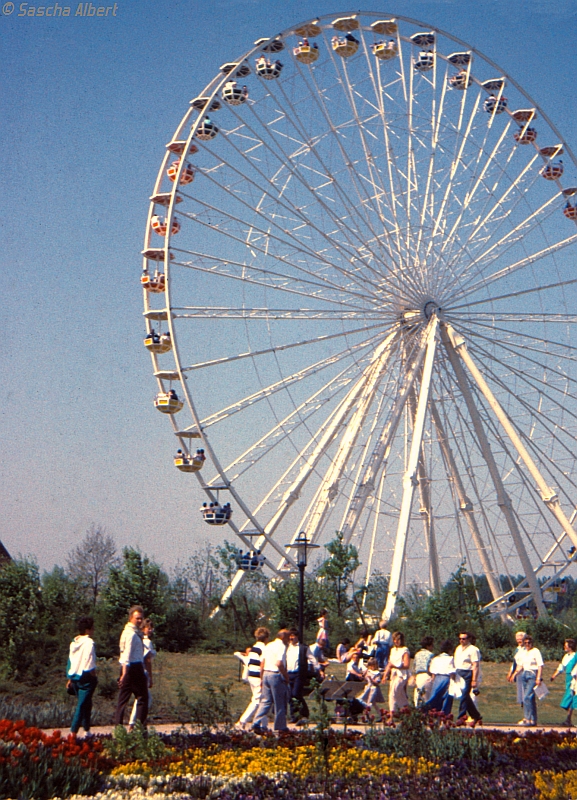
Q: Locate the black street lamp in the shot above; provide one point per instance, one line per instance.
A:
(302, 544)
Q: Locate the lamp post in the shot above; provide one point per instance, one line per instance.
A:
(302, 544)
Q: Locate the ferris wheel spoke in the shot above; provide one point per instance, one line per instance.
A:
(279, 385)
(498, 205)
(258, 314)
(245, 274)
(278, 348)
(295, 246)
(481, 262)
(350, 207)
(286, 426)
(521, 292)
(515, 334)
(285, 204)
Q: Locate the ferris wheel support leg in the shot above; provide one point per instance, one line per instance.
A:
(380, 454)
(329, 488)
(454, 347)
(426, 509)
(410, 478)
(466, 507)
(230, 590)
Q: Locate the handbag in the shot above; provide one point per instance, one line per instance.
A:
(456, 687)
(71, 689)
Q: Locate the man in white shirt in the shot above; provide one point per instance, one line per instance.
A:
(467, 658)
(298, 708)
(133, 680)
(275, 684)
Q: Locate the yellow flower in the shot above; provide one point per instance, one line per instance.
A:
(556, 785)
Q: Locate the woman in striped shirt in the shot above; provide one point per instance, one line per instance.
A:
(254, 675)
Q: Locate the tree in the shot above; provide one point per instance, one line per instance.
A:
(338, 571)
(90, 562)
(135, 581)
(20, 615)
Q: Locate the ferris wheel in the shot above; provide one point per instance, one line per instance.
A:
(358, 290)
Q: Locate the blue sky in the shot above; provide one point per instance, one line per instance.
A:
(87, 107)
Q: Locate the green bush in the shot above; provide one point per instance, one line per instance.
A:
(139, 744)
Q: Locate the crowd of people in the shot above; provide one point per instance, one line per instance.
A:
(278, 671)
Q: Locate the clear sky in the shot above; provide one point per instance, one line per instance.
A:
(87, 106)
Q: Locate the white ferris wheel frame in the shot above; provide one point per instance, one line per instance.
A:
(439, 334)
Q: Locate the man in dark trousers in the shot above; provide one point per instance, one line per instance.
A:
(132, 679)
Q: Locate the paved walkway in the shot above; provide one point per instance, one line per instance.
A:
(172, 727)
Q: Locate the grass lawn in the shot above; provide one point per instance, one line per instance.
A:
(497, 701)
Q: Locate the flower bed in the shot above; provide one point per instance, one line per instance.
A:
(446, 764)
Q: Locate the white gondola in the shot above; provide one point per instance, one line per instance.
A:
(459, 59)
(267, 69)
(233, 94)
(462, 80)
(206, 131)
(186, 463)
(251, 561)
(494, 85)
(168, 402)
(155, 284)
(423, 39)
(158, 342)
(345, 46)
(187, 175)
(205, 104)
(160, 225)
(235, 69)
(385, 50)
(425, 61)
(274, 46)
(385, 27)
(552, 171)
(346, 24)
(494, 105)
(309, 29)
(525, 135)
(215, 514)
(524, 115)
(306, 53)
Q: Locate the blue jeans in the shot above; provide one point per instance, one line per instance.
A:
(298, 708)
(529, 679)
(84, 687)
(467, 705)
(382, 654)
(440, 699)
(274, 694)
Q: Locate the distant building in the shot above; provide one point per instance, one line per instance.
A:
(5, 556)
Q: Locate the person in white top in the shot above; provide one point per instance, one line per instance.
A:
(519, 636)
(382, 641)
(398, 671)
(568, 665)
(298, 708)
(467, 659)
(132, 679)
(442, 668)
(254, 675)
(274, 684)
(81, 673)
(149, 654)
(530, 668)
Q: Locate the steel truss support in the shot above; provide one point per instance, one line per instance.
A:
(454, 346)
(328, 489)
(426, 508)
(379, 456)
(466, 507)
(410, 479)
